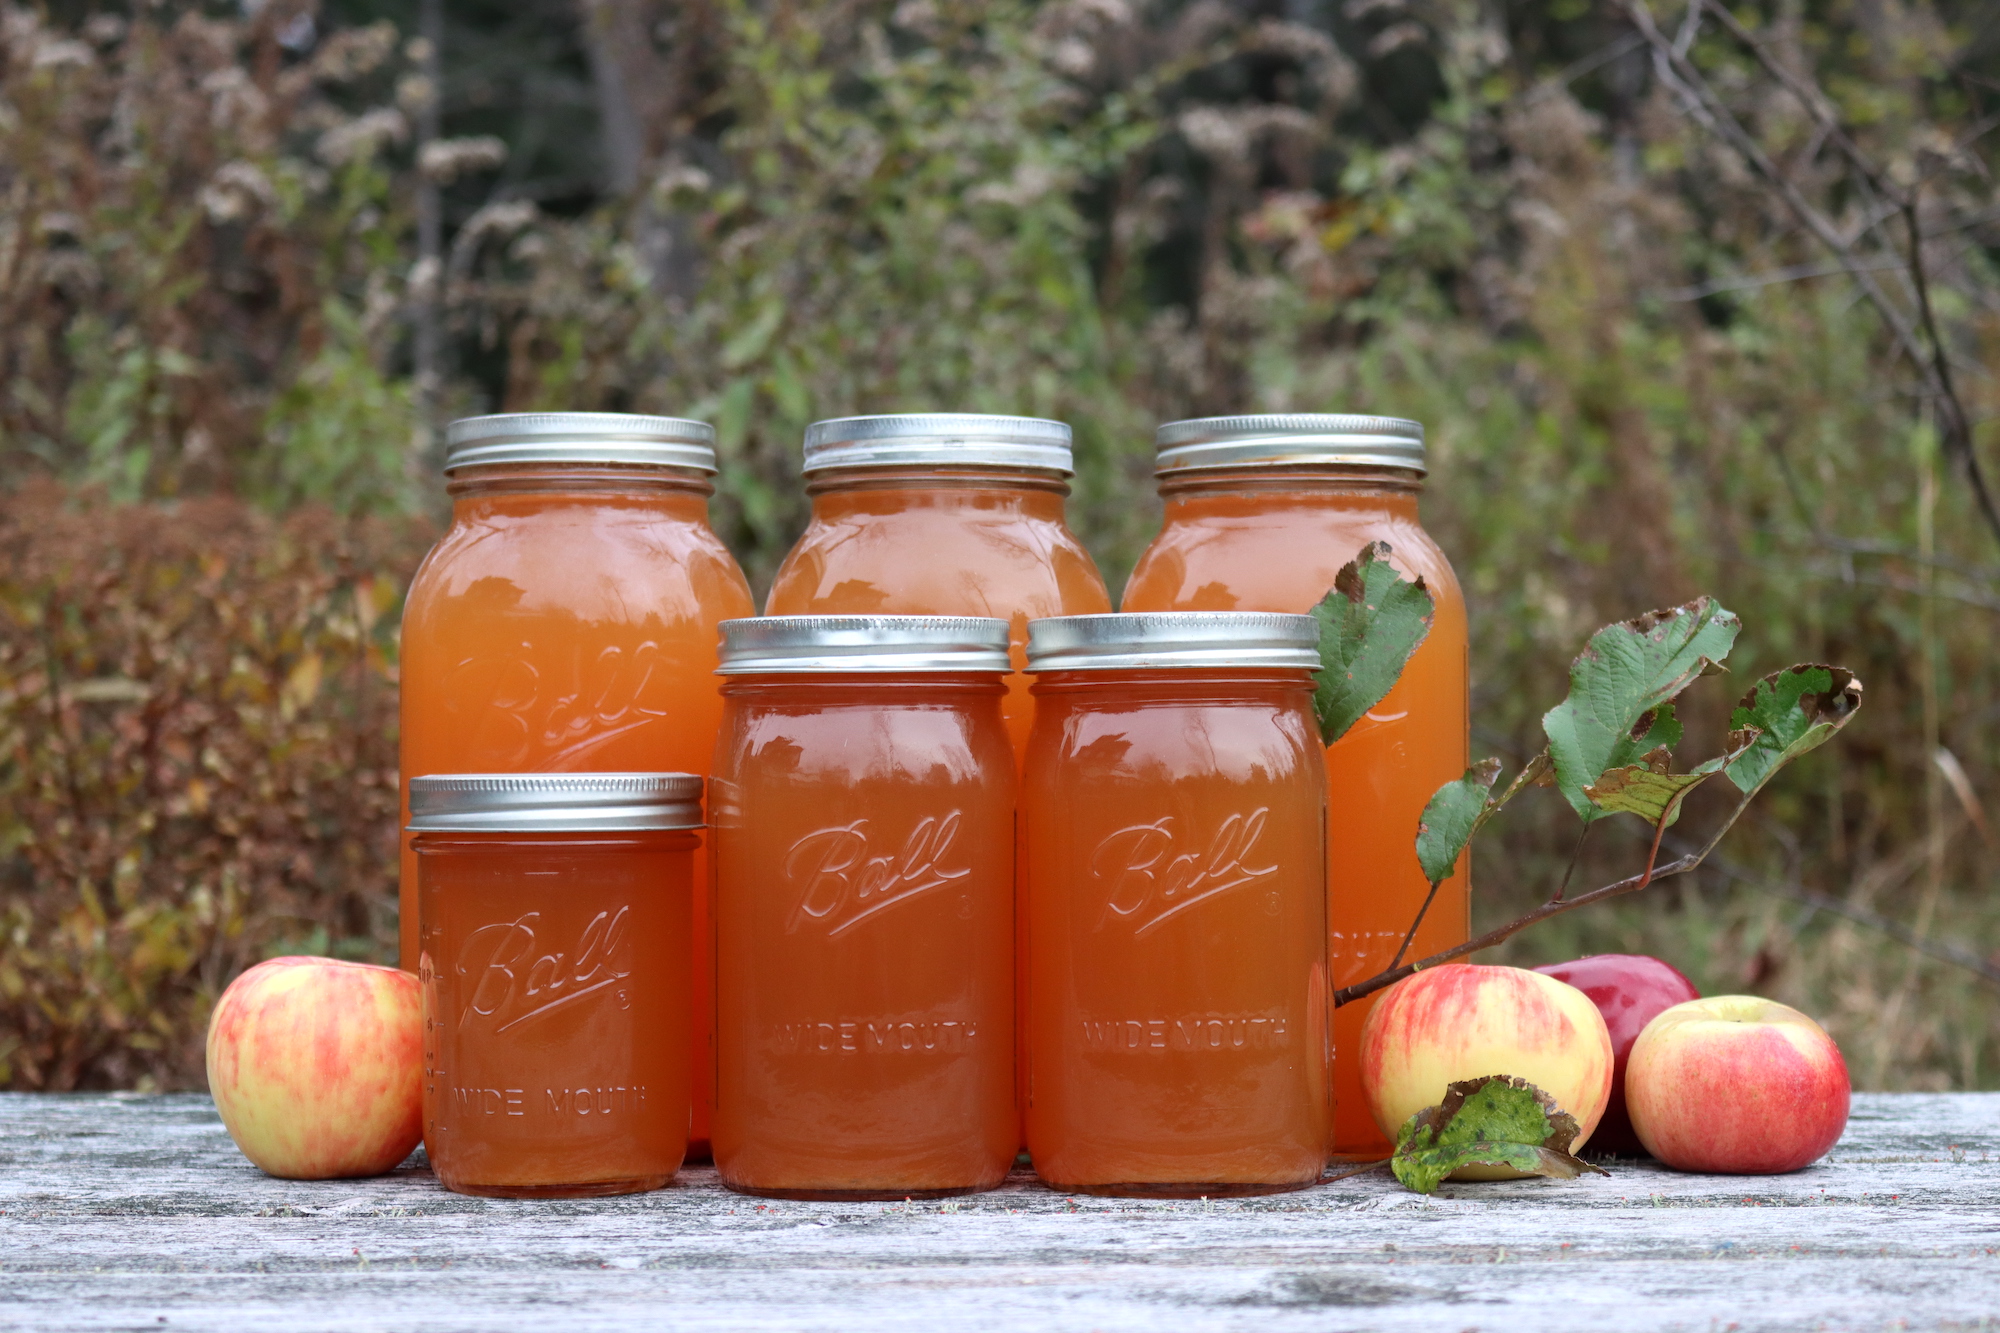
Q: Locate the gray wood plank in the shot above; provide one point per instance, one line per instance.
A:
(126, 1212)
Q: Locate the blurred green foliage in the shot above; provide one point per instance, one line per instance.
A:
(1642, 381)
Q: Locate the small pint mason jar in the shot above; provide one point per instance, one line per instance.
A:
(554, 955)
(1173, 817)
(863, 856)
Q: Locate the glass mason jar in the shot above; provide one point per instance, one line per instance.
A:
(863, 858)
(1173, 830)
(941, 514)
(555, 916)
(566, 620)
(1261, 513)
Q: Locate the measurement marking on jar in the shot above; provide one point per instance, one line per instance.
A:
(863, 1036)
(1230, 1032)
(1149, 881)
(841, 885)
(1366, 952)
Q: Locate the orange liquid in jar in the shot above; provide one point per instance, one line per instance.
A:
(556, 1037)
(862, 830)
(1172, 836)
(567, 622)
(1272, 539)
(937, 541)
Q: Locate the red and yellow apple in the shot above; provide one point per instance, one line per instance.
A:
(1628, 989)
(316, 1066)
(1736, 1084)
(1457, 1022)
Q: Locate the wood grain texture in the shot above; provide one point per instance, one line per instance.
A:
(127, 1212)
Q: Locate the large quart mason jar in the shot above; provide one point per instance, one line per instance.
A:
(566, 622)
(1261, 513)
(942, 514)
(1172, 830)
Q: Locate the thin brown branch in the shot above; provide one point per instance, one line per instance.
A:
(1652, 854)
(1411, 933)
(1943, 951)
(1810, 95)
(1955, 427)
(1556, 907)
(1575, 855)
(1501, 934)
(1678, 72)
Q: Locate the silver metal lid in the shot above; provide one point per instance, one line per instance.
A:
(863, 643)
(938, 439)
(1147, 639)
(554, 802)
(1290, 438)
(579, 437)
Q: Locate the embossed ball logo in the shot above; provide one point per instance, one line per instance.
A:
(842, 880)
(1150, 875)
(510, 976)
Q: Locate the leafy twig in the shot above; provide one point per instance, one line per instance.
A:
(1785, 715)
(1609, 742)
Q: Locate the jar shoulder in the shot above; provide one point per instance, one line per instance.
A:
(855, 742)
(938, 563)
(630, 567)
(1080, 742)
(1281, 561)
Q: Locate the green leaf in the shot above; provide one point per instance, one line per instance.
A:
(1369, 624)
(1648, 790)
(1619, 687)
(1450, 819)
(1792, 712)
(1497, 1120)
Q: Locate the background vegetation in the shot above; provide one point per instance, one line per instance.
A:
(250, 260)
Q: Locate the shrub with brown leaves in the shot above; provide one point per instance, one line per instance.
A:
(197, 767)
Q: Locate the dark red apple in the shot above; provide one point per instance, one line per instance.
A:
(1629, 989)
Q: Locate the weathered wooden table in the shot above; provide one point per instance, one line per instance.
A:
(134, 1212)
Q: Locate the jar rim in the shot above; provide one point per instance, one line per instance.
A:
(939, 439)
(1289, 438)
(801, 645)
(554, 802)
(579, 438)
(1174, 640)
